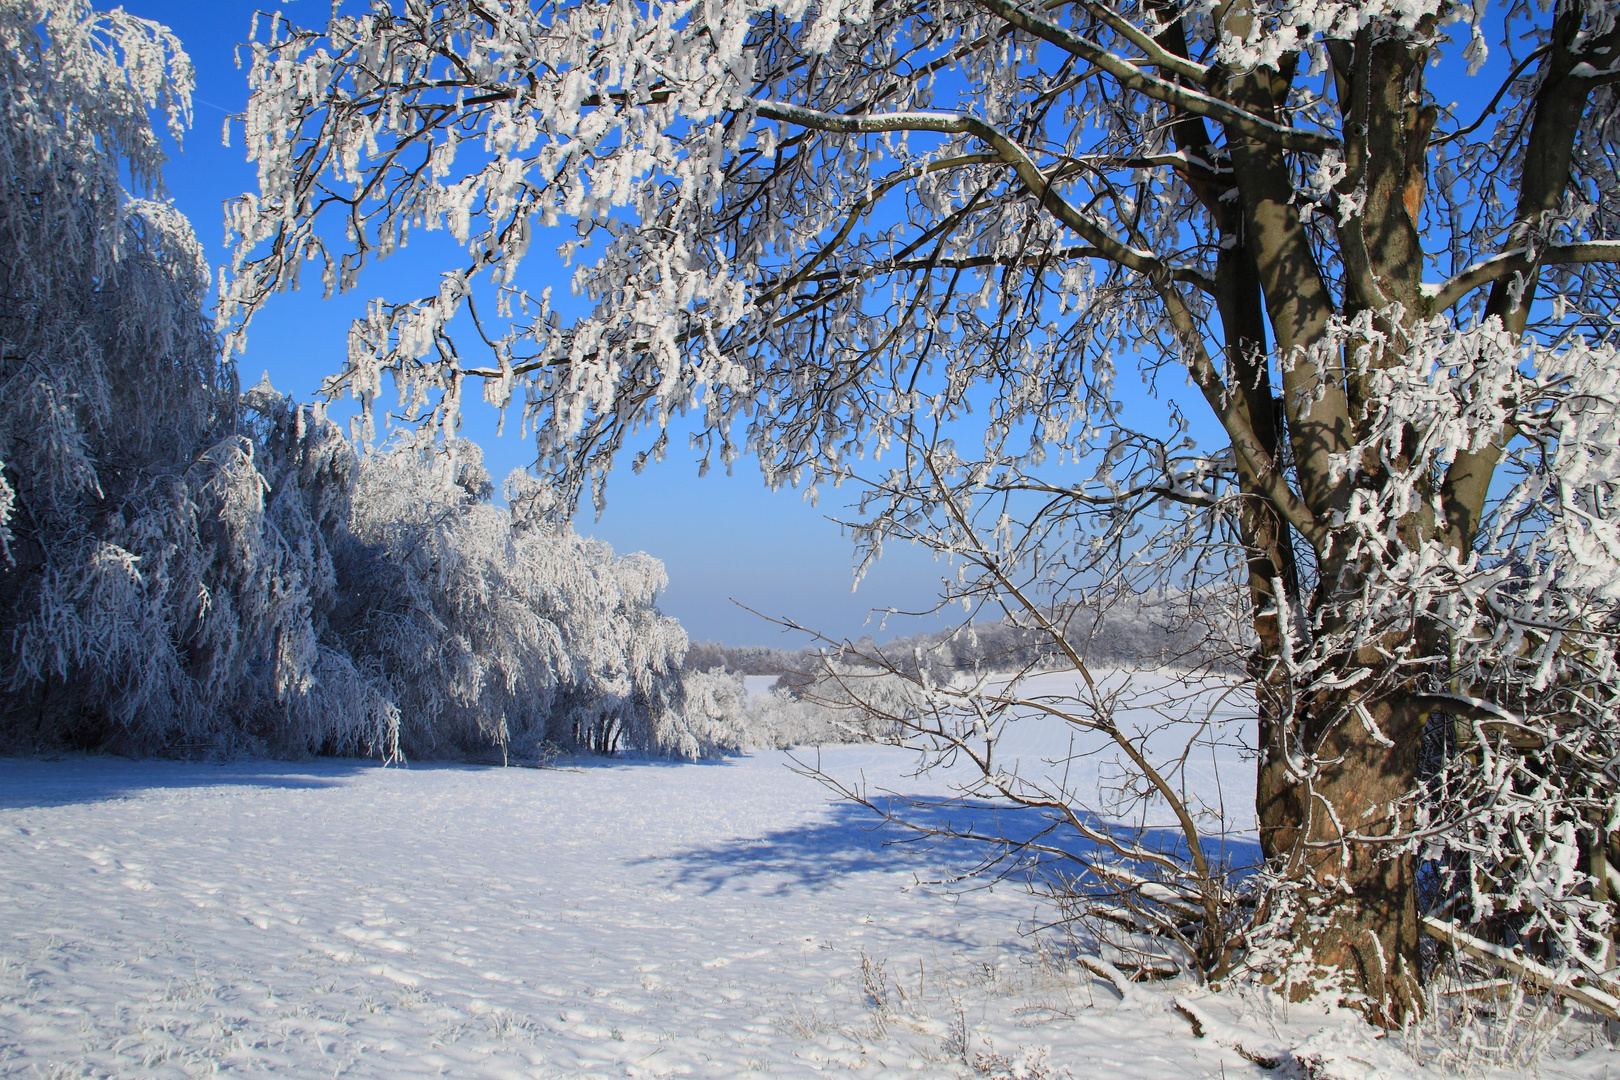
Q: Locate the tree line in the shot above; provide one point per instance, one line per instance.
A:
(190, 569)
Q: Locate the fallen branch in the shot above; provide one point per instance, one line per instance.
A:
(1207, 1027)
(1491, 989)
(1129, 993)
(1604, 1001)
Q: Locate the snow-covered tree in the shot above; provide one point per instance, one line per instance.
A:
(497, 628)
(832, 228)
(147, 598)
(185, 568)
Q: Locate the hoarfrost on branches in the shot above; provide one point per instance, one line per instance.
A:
(833, 231)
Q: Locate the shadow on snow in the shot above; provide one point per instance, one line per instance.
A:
(74, 779)
(926, 837)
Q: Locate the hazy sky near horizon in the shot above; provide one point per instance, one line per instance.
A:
(722, 538)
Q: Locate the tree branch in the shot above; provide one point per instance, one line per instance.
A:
(1156, 54)
(1134, 78)
(1604, 1002)
(1518, 261)
(1035, 181)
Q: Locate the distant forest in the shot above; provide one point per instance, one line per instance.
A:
(1172, 630)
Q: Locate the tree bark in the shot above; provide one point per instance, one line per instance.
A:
(1359, 919)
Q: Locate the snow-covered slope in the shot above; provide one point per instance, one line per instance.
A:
(340, 919)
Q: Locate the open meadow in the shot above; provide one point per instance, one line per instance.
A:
(715, 919)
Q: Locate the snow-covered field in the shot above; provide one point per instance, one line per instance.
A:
(720, 920)
(1206, 726)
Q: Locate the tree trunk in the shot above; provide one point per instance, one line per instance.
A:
(1337, 779)
(1358, 922)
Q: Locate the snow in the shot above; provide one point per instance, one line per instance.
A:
(1172, 710)
(719, 919)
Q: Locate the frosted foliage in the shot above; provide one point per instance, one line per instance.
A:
(720, 715)
(151, 597)
(858, 702)
(657, 132)
(907, 248)
(716, 716)
(192, 570)
(494, 630)
(1282, 30)
(78, 88)
(331, 697)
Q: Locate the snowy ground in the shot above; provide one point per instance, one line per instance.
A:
(1204, 726)
(712, 920)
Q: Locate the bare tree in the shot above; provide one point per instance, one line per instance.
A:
(834, 230)
(1110, 821)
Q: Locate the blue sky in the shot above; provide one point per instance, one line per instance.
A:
(721, 537)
